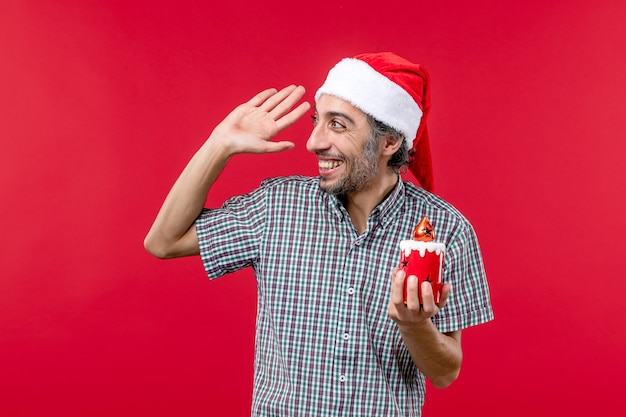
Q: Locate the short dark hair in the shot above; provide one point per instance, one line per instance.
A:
(400, 159)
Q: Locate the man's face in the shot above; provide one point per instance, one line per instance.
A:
(348, 158)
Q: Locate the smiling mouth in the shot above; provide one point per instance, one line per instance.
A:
(326, 165)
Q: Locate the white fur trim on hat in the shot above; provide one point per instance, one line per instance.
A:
(355, 81)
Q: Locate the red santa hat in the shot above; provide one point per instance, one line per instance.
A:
(395, 92)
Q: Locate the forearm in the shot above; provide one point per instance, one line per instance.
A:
(170, 234)
(437, 355)
(247, 129)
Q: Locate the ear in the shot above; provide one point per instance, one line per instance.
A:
(390, 145)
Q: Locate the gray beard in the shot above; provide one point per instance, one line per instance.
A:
(362, 169)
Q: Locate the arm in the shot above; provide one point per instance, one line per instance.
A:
(247, 129)
(437, 355)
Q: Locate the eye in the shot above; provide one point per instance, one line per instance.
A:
(336, 124)
(315, 119)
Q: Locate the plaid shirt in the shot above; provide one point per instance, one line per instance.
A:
(325, 345)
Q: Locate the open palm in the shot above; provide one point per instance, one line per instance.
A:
(251, 125)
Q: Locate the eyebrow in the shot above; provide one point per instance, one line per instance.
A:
(336, 114)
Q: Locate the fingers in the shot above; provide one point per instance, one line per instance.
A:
(272, 147)
(397, 286)
(262, 96)
(428, 299)
(278, 102)
(445, 291)
(413, 309)
(291, 117)
(280, 106)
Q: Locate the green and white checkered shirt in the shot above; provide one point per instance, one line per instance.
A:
(325, 345)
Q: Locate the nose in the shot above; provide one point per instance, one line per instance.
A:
(318, 141)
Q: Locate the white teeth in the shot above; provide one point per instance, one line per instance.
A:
(328, 164)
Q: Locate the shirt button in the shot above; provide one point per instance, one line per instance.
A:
(351, 291)
(346, 336)
(342, 378)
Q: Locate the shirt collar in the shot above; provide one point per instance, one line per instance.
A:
(384, 213)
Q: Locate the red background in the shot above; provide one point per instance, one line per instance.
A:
(104, 102)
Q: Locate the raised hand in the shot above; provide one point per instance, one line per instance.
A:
(251, 125)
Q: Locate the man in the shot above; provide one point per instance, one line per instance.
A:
(334, 335)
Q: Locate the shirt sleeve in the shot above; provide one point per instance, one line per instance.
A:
(230, 237)
(469, 302)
